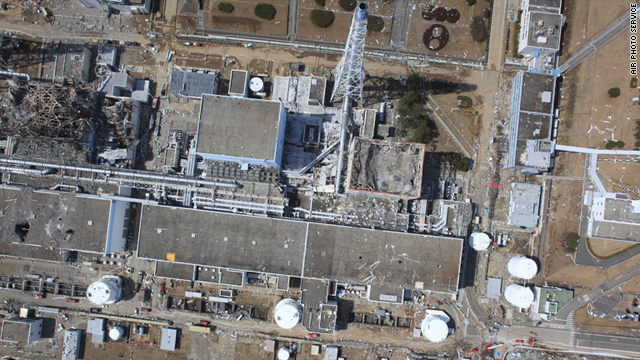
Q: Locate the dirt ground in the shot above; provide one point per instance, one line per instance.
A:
(583, 321)
(460, 42)
(603, 247)
(618, 172)
(339, 30)
(242, 19)
(588, 116)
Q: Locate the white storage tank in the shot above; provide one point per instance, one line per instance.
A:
(287, 313)
(116, 333)
(434, 326)
(107, 290)
(479, 241)
(519, 296)
(522, 267)
(283, 354)
(256, 84)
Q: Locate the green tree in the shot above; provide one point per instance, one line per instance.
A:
(348, 5)
(265, 11)
(614, 92)
(375, 23)
(573, 242)
(322, 18)
(321, 2)
(226, 7)
(478, 29)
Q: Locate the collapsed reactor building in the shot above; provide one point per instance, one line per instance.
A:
(284, 190)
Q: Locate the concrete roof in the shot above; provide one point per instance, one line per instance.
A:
(168, 341)
(531, 127)
(525, 205)
(396, 259)
(226, 240)
(546, 3)
(238, 83)
(536, 32)
(15, 331)
(193, 84)
(238, 127)
(533, 87)
(296, 248)
(56, 221)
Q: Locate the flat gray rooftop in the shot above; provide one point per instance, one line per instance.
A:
(609, 230)
(533, 87)
(175, 271)
(225, 240)
(55, 222)
(238, 82)
(15, 331)
(531, 127)
(620, 210)
(193, 84)
(297, 248)
(238, 127)
(361, 255)
(546, 3)
(525, 205)
(536, 32)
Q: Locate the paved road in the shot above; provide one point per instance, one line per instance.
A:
(401, 21)
(497, 39)
(544, 229)
(597, 291)
(608, 342)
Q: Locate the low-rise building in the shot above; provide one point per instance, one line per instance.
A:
(531, 124)
(540, 26)
(21, 330)
(524, 207)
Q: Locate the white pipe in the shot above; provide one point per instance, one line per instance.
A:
(13, 73)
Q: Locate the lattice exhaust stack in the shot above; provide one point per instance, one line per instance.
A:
(349, 74)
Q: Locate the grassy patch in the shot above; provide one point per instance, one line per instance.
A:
(322, 18)
(375, 23)
(226, 7)
(614, 92)
(608, 256)
(516, 42)
(634, 82)
(573, 243)
(265, 11)
(465, 102)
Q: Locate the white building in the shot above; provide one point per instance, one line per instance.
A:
(540, 26)
(613, 216)
(21, 330)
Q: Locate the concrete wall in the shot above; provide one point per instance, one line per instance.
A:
(118, 221)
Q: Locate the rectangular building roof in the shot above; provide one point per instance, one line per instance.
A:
(238, 82)
(531, 127)
(544, 30)
(168, 341)
(536, 89)
(238, 127)
(16, 330)
(55, 221)
(193, 84)
(525, 205)
(296, 248)
(613, 216)
(226, 240)
(546, 3)
(394, 259)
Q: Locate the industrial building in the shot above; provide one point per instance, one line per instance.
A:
(379, 168)
(44, 223)
(613, 216)
(193, 84)
(241, 130)
(540, 26)
(531, 123)
(524, 207)
(299, 249)
(123, 86)
(132, 6)
(72, 344)
(21, 330)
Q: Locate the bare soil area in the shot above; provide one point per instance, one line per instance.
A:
(603, 247)
(618, 171)
(243, 19)
(338, 31)
(460, 42)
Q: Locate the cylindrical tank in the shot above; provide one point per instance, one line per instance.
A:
(362, 11)
(287, 313)
(434, 328)
(116, 333)
(479, 241)
(105, 291)
(256, 84)
(522, 267)
(519, 296)
(284, 354)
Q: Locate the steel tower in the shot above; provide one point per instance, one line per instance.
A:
(349, 77)
(349, 74)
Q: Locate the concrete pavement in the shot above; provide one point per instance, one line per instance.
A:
(616, 343)
(497, 39)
